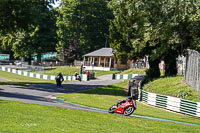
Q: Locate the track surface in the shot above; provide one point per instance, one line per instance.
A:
(42, 94)
(38, 93)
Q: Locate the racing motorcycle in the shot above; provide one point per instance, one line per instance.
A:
(125, 107)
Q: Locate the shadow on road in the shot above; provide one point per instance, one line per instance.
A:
(107, 90)
(38, 92)
(52, 88)
(22, 96)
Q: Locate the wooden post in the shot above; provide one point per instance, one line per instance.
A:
(93, 61)
(99, 61)
(104, 61)
(84, 60)
(110, 62)
(90, 61)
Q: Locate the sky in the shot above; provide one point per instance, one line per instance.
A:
(56, 4)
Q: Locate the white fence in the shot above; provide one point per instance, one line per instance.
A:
(40, 76)
(172, 103)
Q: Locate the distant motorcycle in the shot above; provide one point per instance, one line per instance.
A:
(59, 79)
(126, 107)
(78, 77)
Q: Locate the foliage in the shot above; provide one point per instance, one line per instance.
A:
(20, 14)
(32, 36)
(82, 27)
(156, 28)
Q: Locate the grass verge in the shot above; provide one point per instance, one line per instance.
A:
(15, 79)
(172, 86)
(104, 97)
(22, 118)
(69, 71)
(133, 71)
(65, 70)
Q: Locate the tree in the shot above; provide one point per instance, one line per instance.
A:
(37, 36)
(37, 40)
(130, 33)
(17, 14)
(83, 26)
(155, 28)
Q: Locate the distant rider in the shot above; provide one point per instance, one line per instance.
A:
(77, 76)
(59, 79)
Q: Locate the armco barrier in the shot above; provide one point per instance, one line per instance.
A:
(172, 103)
(40, 76)
(125, 76)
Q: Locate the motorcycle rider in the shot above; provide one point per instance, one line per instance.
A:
(59, 79)
(129, 99)
(77, 76)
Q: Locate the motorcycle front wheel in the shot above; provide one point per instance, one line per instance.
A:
(111, 110)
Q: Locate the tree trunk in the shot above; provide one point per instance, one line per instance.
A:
(39, 58)
(29, 59)
(170, 63)
(154, 70)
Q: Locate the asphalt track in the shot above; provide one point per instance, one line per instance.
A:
(2, 79)
(39, 93)
(43, 94)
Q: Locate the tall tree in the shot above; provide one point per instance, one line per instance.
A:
(82, 26)
(37, 40)
(37, 36)
(17, 14)
(131, 33)
(155, 28)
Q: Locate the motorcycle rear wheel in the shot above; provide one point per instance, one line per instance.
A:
(128, 111)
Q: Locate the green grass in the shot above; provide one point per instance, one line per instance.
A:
(16, 79)
(101, 73)
(133, 71)
(104, 97)
(172, 86)
(27, 118)
(69, 71)
(65, 70)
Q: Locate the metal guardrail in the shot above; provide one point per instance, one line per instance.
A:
(125, 76)
(172, 103)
